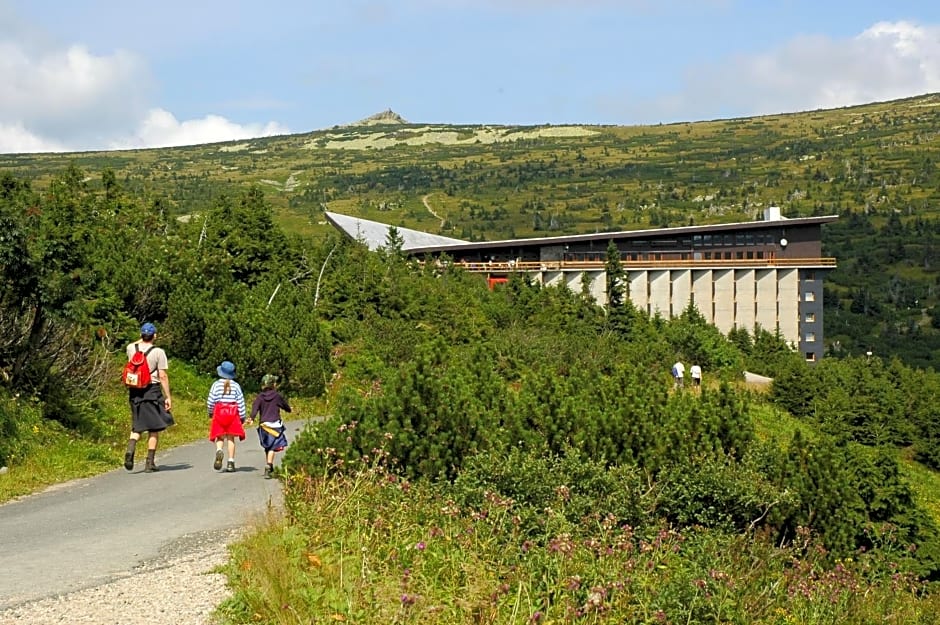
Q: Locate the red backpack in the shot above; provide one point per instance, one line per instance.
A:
(136, 372)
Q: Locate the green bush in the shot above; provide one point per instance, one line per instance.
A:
(574, 486)
(842, 492)
(428, 417)
(717, 492)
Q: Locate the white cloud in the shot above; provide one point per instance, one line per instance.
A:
(14, 138)
(889, 60)
(886, 61)
(57, 99)
(68, 93)
(161, 129)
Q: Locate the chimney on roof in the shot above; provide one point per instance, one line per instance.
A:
(772, 213)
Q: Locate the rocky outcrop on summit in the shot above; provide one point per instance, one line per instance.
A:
(387, 116)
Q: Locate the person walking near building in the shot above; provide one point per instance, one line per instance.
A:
(226, 408)
(271, 431)
(678, 373)
(695, 372)
(150, 405)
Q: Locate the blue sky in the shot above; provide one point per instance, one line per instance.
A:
(110, 74)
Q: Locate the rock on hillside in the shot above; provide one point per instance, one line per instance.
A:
(387, 116)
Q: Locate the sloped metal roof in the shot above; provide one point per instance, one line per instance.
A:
(375, 233)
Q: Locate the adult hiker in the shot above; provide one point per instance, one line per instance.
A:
(150, 404)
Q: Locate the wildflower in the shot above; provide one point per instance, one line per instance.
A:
(561, 544)
(420, 546)
(595, 599)
(536, 617)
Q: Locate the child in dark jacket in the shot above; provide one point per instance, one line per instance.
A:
(271, 431)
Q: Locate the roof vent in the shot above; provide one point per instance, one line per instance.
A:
(772, 213)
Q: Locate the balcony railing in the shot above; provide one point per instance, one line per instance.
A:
(589, 265)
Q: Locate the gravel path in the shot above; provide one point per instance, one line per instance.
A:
(177, 588)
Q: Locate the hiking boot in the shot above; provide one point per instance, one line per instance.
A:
(230, 467)
(150, 467)
(129, 461)
(218, 460)
(268, 472)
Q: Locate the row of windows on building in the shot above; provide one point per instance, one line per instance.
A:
(727, 239)
(600, 257)
(736, 238)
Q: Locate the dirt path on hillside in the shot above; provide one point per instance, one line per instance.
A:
(427, 205)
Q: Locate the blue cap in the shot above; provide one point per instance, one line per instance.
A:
(226, 370)
(148, 328)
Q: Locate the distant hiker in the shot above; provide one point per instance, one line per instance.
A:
(678, 373)
(150, 404)
(271, 431)
(226, 407)
(695, 372)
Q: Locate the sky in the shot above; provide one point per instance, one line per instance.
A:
(78, 75)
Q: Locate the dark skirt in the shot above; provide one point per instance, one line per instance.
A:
(272, 438)
(148, 410)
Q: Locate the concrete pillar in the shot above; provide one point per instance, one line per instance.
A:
(702, 293)
(744, 296)
(723, 280)
(553, 278)
(788, 298)
(659, 292)
(766, 299)
(599, 286)
(573, 280)
(681, 290)
(639, 289)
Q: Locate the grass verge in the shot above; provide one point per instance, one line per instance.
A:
(371, 549)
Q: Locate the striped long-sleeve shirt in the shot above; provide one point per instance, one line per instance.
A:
(235, 395)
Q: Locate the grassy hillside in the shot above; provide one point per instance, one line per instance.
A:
(874, 164)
